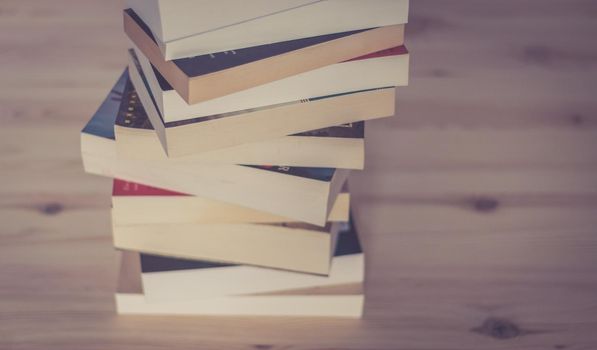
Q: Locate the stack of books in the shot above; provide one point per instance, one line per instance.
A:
(230, 137)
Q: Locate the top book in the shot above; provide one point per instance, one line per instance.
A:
(186, 28)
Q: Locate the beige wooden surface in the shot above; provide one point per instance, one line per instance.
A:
(478, 207)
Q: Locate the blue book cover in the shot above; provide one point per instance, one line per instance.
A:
(102, 122)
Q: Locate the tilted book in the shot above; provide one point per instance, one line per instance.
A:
(339, 146)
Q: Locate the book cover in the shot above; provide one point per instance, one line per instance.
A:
(130, 112)
(320, 174)
(102, 122)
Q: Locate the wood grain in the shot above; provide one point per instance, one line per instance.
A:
(478, 206)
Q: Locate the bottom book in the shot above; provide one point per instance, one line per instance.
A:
(338, 297)
(301, 304)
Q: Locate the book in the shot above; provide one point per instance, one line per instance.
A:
(197, 135)
(170, 279)
(134, 203)
(290, 246)
(297, 193)
(212, 75)
(379, 69)
(339, 146)
(182, 30)
(342, 301)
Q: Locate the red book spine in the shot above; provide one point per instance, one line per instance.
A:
(126, 188)
(392, 51)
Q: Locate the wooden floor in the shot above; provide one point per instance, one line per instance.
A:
(478, 207)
